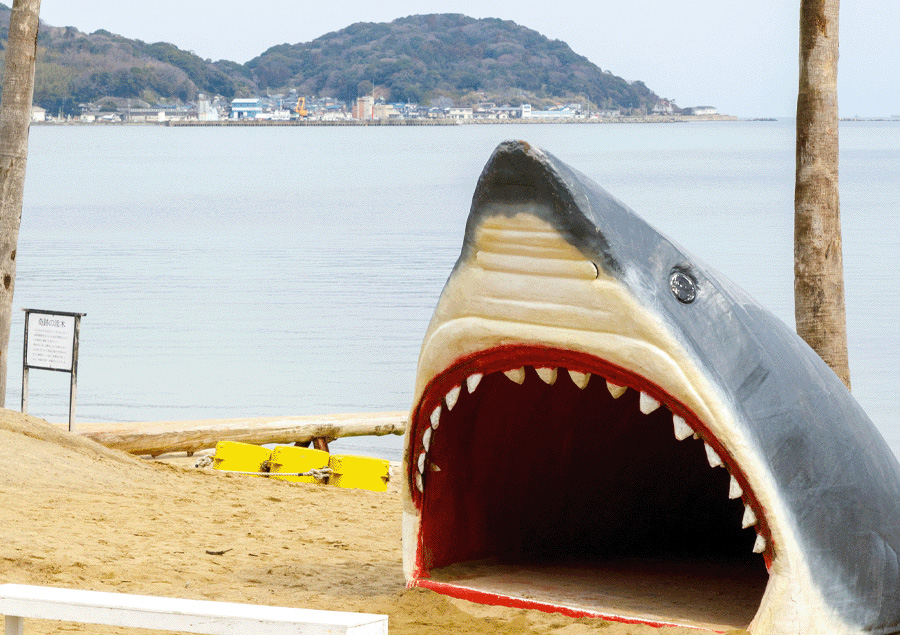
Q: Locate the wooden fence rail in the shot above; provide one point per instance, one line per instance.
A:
(18, 601)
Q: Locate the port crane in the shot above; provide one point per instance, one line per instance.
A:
(300, 109)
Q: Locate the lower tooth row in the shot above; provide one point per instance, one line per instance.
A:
(647, 405)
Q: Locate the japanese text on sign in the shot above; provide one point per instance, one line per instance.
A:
(51, 339)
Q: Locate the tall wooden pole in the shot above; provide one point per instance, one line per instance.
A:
(818, 262)
(15, 118)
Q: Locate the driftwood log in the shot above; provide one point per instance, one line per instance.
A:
(188, 436)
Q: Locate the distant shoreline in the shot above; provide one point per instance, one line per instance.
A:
(399, 122)
(457, 122)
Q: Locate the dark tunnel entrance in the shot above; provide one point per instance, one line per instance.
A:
(570, 497)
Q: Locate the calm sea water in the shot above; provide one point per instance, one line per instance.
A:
(284, 271)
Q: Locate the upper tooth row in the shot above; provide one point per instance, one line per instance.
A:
(647, 404)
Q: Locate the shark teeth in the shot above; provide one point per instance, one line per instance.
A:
(682, 429)
(714, 459)
(452, 397)
(749, 518)
(648, 404)
(580, 379)
(516, 375)
(760, 545)
(734, 489)
(547, 375)
(614, 390)
(435, 417)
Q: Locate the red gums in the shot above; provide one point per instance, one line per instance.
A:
(494, 599)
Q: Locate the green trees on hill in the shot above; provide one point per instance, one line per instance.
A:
(202, 74)
(74, 67)
(421, 59)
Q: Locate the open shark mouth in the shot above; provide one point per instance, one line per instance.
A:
(538, 466)
(605, 427)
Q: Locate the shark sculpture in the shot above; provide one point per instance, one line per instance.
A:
(605, 427)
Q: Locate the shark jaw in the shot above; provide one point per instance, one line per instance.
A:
(534, 462)
(561, 434)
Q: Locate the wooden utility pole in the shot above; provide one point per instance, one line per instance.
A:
(15, 118)
(818, 263)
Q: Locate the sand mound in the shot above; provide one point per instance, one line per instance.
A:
(79, 515)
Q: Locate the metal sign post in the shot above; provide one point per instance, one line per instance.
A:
(51, 343)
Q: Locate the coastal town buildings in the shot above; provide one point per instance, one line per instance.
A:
(459, 113)
(664, 107)
(568, 111)
(205, 109)
(364, 108)
(289, 107)
(245, 108)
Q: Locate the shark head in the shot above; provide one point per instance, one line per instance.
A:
(603, 426)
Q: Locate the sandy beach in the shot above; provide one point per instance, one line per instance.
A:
(79, 515)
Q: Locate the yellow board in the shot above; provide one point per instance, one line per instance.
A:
(359, 472)
(289, 458)
(232, 456)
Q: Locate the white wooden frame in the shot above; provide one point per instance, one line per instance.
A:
(18, 601)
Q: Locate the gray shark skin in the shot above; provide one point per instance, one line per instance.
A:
(826, 481)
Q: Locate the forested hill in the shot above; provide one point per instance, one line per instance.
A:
(427, 59)
(74, 67)
(423, 57)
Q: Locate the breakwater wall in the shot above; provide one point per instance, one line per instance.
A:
(448, 122)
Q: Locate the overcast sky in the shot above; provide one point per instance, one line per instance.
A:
(740, 57)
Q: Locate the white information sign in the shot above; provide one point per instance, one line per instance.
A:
(51, 340)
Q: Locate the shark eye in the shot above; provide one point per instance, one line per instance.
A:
(683, 286)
